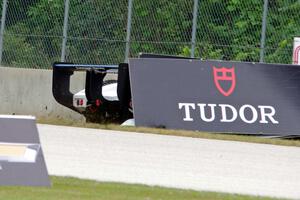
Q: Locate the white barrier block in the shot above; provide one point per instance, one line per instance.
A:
(21, 156)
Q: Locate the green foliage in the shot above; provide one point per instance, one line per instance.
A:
(17, 11)
(226, 29)
(19, 53)
(161, 26)
(100, 25)
(282, 30)
(231, 27)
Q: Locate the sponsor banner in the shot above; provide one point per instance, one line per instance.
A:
(21, 156)
(296, 51)
(216, 96)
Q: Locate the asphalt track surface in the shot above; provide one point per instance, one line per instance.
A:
(171, 161)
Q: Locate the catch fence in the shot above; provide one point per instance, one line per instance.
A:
(36, 33)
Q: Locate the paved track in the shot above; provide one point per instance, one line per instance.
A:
(170, 161)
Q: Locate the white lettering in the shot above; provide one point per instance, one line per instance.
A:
(270, 115)
(254, 114)
(228, 113)
(187, 110)
(224, 113)
(202, 112)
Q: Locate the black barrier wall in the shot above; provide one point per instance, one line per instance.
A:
(216, 96)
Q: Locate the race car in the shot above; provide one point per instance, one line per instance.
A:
(102, 100)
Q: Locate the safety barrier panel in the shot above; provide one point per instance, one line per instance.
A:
(216, 96)
(21, 156)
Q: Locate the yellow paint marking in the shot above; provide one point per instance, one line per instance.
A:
(12, 150)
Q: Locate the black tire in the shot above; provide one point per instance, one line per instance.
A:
(108, 113)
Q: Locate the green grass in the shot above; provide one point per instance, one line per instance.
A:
(194, 134)
(72, 189)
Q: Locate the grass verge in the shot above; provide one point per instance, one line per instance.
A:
(73, 189)
(193, 134)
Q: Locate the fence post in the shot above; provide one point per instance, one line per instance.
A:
(4, 7)
(128, 30)
(65, 31)
(194, 29)
(263, 32)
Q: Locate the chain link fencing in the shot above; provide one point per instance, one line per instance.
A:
(36, 33)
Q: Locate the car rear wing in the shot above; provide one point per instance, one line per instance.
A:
(95, 74)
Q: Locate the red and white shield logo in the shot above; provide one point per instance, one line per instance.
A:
(224, 80)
